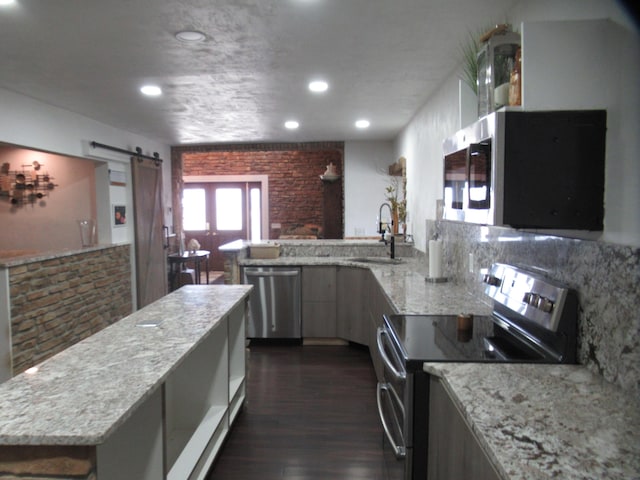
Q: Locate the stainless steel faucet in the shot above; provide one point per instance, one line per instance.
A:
(382, 230)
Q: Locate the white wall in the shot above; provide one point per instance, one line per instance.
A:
(421, 140)
(32, 124)
(366, 166)
(49, 223)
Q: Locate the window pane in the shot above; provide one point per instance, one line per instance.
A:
(256, 233)
(194, 211)
(228, 209)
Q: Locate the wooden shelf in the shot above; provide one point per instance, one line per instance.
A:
(195, 442)
(397, 169)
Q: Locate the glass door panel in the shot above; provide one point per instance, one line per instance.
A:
(194, 208)
(229, 211)
(217, 213)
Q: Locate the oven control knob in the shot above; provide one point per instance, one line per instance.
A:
(492, 280)
(531, 299)
(545, 304)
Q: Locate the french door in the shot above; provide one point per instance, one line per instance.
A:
(215, 213)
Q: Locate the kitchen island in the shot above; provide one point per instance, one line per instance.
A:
(151, 396)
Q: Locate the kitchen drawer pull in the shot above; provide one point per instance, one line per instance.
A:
(399, 449)
(385, 358)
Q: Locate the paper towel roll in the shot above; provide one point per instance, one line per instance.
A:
(435, 258)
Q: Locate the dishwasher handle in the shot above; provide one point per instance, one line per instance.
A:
(272, 273)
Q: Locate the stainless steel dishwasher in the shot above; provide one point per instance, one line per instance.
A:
(274, 310)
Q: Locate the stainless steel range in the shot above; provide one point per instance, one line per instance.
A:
(533, 321)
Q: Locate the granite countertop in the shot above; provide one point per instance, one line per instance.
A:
(404, 284)
(547, 421)
(81, 395)
(14, 258)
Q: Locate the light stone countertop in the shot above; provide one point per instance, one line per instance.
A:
(404, 284)
(14, 258)
(81, 395)
(547, 421)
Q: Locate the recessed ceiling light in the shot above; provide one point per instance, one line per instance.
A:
(291, 124)
(363, 124)
(6, 2)
(318, 86)
(190, 36)
(151, 90)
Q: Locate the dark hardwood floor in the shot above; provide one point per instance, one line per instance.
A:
(311, 414)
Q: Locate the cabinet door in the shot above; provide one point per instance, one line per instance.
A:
(379, 305)
(353, 319)
(454, 451)
(319, 302)
(319, 284)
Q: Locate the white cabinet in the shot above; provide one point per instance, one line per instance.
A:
(202, 398)
(570, 65)
(196, 401)
(237, 361)
(178, 430)
(136, 444)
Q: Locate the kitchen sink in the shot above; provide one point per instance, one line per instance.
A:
(377, 260)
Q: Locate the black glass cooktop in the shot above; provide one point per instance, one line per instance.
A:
(436, 338)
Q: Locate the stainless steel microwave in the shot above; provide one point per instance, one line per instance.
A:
(539, 170)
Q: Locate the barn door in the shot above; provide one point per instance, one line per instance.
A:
(151, 276)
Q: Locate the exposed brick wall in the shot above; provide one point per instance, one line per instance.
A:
(297, 196)
(56, 303)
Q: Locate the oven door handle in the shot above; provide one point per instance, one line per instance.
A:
(398, 449)
(401, 376)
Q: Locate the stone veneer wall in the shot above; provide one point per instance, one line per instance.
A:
(605, 276)
(60, 301)
(47, 463)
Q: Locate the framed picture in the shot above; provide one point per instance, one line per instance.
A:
(119, 215)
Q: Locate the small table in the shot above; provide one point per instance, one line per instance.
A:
(177, 263)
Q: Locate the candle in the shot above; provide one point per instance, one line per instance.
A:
(435, 258)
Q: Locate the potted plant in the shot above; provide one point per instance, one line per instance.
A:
(398, 206)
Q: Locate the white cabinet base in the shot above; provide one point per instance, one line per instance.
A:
(137, 444)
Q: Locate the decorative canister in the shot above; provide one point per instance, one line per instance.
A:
(496, 60)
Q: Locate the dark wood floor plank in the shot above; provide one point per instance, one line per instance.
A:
(311, 414)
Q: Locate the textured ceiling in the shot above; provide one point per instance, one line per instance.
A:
(382, 59)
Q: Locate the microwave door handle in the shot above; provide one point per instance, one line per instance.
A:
(475, 150)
